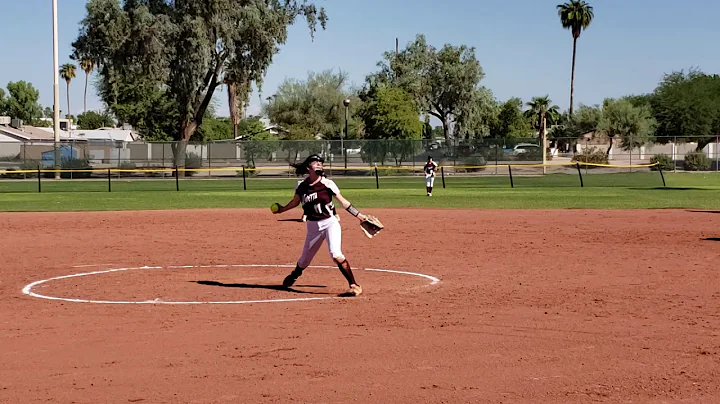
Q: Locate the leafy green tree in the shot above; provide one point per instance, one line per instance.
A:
(402, 149)
(375, 152)
(437, 132)
(259, 146)
(443, 82)
(585, 120)
(173, 55)
(634, 125)
(148, 109)
(391, 114)
(427, 132)
(314, 104)
(3, 103)
(576, 16)
(250, 127)
(476, 117)
(510, 122)
(214, 128)
(23, 102)
(298, 139)
(68, 72)
(687, 107)
(639, 100)
(94, 120)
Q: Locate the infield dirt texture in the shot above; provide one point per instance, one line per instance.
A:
(532, 307)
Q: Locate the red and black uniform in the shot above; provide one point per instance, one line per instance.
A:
(317, 200)
(430, 167)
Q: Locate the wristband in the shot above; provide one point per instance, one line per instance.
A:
(353, 211)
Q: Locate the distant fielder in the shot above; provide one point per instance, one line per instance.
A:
(316, 193)
(430, 168)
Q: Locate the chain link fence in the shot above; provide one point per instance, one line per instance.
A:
(511, 161)
(357, 153)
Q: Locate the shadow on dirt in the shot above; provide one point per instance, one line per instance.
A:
(712, 239)
(268, 287)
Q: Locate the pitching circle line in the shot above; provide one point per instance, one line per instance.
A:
(28, 288)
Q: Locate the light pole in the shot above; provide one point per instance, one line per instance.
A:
(56, 90)
(346, 102)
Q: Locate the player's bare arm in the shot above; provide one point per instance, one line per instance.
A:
(348, 206)
(291, 205)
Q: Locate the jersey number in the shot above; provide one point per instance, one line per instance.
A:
(329, 207)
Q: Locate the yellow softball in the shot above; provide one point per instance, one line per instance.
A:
(274, 207)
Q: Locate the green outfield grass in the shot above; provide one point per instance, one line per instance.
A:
(606, 191)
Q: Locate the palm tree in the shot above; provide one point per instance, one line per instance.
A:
(541, 108)
(542, 113)
(576, 16)
(87, 65)
(67, 72)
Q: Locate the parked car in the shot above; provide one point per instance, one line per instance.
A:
(525, 147)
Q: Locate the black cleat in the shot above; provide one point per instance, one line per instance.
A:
(290, 279)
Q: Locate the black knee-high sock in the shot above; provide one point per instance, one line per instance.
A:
(346, 271)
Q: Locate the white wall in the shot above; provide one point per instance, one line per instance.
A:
(9, 147)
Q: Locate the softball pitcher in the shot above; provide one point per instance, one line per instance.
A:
(316, 194)
(430, 168)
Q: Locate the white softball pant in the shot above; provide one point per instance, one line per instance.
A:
(327, 229)
(429, 180)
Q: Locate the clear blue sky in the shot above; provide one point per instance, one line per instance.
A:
(520, 44)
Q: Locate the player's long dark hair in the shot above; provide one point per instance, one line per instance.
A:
(303, 168)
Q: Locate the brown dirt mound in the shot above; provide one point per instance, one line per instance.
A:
(533, 306)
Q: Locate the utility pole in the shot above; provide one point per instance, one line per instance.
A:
(56, 90)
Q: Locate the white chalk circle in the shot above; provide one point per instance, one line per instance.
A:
(28, 288)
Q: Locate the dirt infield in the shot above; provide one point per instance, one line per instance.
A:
(565, 306)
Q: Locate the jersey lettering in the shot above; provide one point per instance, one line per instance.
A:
(310, 198)
(317, 199)
(430, 167)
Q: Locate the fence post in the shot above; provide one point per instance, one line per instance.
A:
(497, 147)
(582, 185)
(39, 180)
(109, 186)
(177, 179)
(209, 160)
(631, 150)
(377, 179)
(662, 176)
(442, 173)
(674, 145)
(512, 185)
(244, 184)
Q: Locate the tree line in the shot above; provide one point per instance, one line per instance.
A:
(159, 66)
